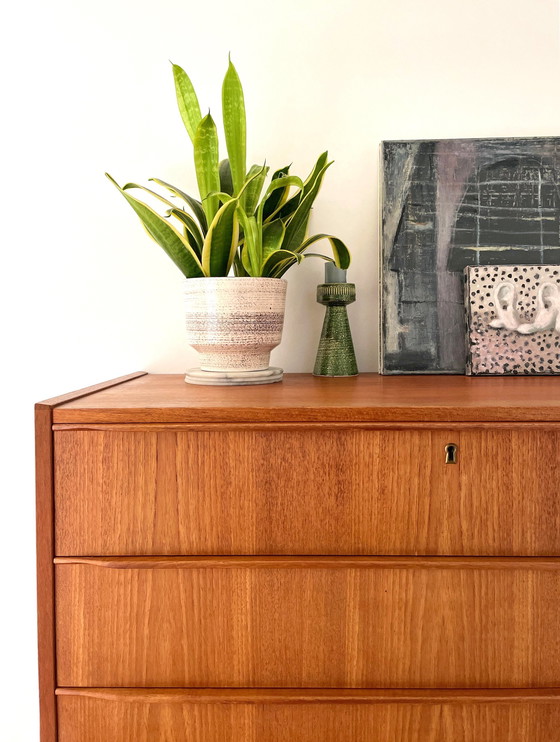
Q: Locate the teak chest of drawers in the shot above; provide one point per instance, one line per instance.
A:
(362, 560)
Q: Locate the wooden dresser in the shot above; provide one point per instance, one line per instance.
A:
(373, 559)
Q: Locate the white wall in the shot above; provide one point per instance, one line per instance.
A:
(86, 296)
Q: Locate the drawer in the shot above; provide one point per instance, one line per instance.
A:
(270, 716)
(316, 490)
(337, 622)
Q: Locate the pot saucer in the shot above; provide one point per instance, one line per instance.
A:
(234, 378)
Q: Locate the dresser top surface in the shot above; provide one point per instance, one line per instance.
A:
(165, 398)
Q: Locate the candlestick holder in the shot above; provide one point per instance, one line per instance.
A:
(335, 356)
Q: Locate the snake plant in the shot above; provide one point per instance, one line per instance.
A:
(237, 222)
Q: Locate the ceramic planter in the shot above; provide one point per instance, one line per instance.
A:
(234, 323)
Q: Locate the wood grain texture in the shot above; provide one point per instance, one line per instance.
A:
(339, 491)
(44, 510)
(315, 562)
(44, 475)
(367, 627)
(80, 394)
(336, 644)
(316, 695)
(299, 426)
(421, 719)
(305, 398)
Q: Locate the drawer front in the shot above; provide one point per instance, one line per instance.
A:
(312, 491)
(315, 622)
(109, 717)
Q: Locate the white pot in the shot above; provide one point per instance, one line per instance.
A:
(234, 323)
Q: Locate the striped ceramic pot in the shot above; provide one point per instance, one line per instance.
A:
(234, 323)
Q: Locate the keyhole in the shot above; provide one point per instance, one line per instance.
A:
(451, 453)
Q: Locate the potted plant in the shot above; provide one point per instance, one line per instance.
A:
(241, 225)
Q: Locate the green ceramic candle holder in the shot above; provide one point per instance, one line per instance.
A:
(335, 356)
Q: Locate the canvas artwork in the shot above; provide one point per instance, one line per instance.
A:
(513, 319)
(450, 204)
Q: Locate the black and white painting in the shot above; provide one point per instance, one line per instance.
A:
(446, 205)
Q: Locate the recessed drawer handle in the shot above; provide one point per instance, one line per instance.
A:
(451, 453)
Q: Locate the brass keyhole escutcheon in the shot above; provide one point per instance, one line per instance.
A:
(451, 453)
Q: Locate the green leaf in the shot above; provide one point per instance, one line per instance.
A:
(221, 196)
(251, 253)
(235, 126)
(165, 235)
(317, 170)
(193, 233)
(272, 237)
(221, 241)
(276, 261)
(286, 182)
(341, 253)
(129, 186)
(275, 185)
(283, 267)
(281, 172)
(226, 182)
(186, 100)
(252, 193)
(206, 164)
(246, 260)
(191, 228)
(195, 205)
(290, 206)
(238, 268)
(248, 181)
(296, 229)
(275, 200)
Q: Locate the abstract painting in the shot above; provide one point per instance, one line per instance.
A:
(513, 319)
(448, 204)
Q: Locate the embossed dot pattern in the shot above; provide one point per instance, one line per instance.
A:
(505, 351)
